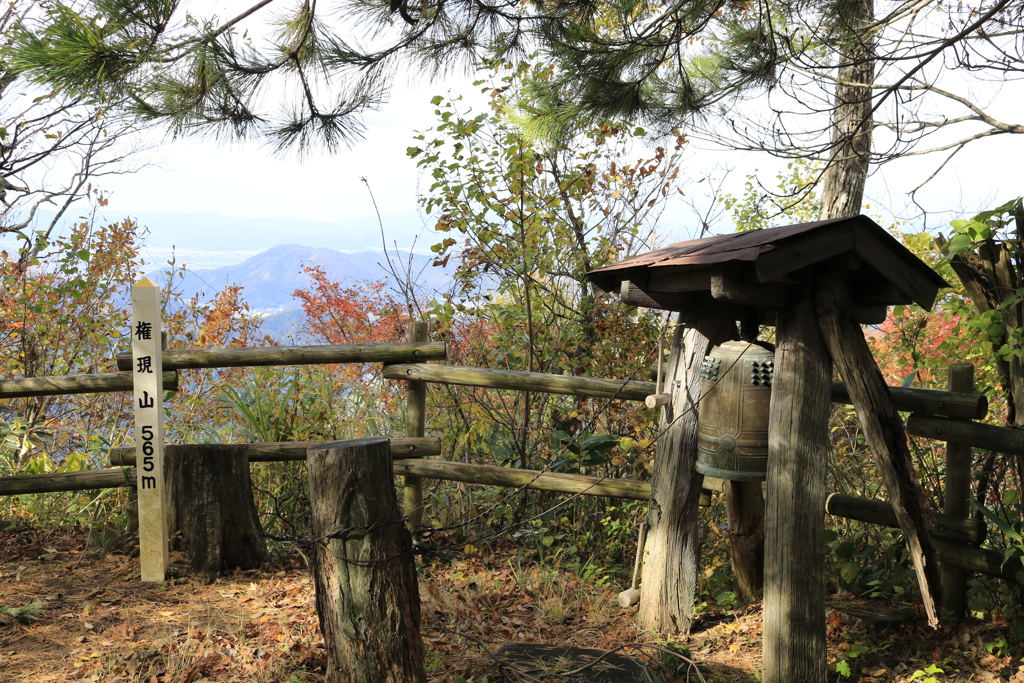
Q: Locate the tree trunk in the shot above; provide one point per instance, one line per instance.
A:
(794, 563)
(673, 544)
(366, 590)
(849, 158)
(213, 508)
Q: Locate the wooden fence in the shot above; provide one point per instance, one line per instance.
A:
(943, 415)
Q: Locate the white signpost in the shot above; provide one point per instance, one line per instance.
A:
(147, 370)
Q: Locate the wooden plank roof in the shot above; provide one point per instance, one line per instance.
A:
(880, 269)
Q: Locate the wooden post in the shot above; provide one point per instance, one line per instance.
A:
(794, 564)
(366, 591)
(213, 508)
(744, 506)
(673, 543)
(415, 425)
(883, 427)
(960, 378)
(147, 370)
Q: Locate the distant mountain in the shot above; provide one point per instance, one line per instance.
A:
(269, 278)
(214, 232)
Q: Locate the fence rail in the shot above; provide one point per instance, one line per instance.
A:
(290, 450)
(75, 384)
(929, 401)
(294, 355)
(942, 415)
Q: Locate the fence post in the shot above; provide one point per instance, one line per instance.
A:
(366, 591)
(960, 378)
(415, 425)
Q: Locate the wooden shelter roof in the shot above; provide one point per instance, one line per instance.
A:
(766, 263)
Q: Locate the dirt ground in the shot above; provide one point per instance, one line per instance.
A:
(98, 622)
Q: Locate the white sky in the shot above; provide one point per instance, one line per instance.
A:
(245, 180)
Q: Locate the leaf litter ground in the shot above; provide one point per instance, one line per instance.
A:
(98, 622)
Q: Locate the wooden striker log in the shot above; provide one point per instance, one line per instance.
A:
(366, 590)
(213, 509)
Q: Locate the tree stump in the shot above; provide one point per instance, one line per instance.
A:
(213, 508)
(367, 594)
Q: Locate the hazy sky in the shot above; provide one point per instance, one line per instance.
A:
(246, 180)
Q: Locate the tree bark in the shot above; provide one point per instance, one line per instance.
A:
(957, 497)
(212, 506)
(415, 426)
(744, 505)
(673, 543)
(849, 158)
(884, 430)
(794, 563)
(366, 590)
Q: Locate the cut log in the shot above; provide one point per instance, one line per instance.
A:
(52, 482)
(213, 509)
(794, 526)
(948, 527)
(181, 359)
(970, 406)
(744, 505)
(76, 384)
(292, 450)
(673, 543)
(987, 437)
(366, 588)
(884, 430)
(521, 381)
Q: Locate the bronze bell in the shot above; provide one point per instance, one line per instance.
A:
(732, 425)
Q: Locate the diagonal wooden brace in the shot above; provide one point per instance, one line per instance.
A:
(884, 430)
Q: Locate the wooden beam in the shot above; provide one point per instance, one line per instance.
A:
(806, 250)
(980, 560)
(726, 286)
(52, 482)
(895, 269)
(983, 436)
(295, 355)
(521, 381)
(680, 281)
(631, 295)
(970, 406)
(794, 563)
(949, 527)
(492, 475)
(76, 384)
(291, 450)
(884, 430)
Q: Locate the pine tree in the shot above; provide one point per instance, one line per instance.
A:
(696, 65)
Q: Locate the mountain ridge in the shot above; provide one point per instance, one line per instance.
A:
(269, 277)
